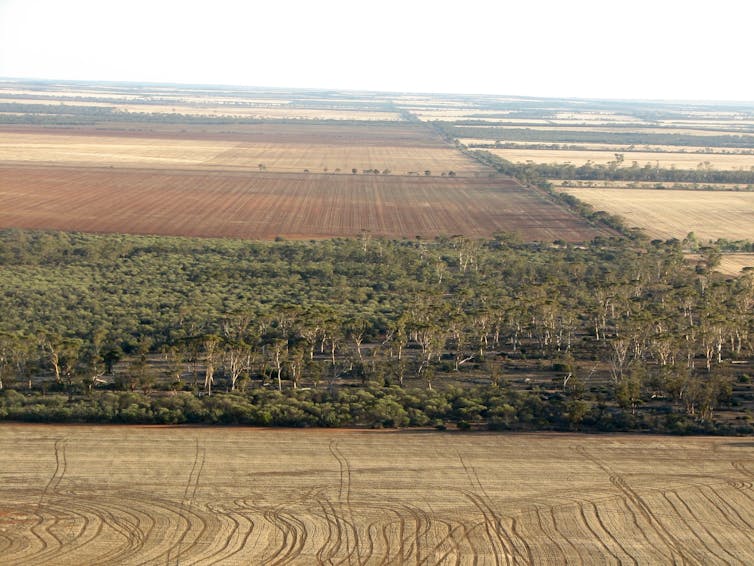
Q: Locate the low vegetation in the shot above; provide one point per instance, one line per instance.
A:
(628, 134)
(614, 171)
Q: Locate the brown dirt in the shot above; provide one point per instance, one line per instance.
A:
(265, 205)
(379, 134)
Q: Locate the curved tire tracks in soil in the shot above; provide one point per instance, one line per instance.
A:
(189, 494)
(675, 546)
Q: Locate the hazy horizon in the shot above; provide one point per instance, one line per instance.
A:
(649, 51)
(283, 89)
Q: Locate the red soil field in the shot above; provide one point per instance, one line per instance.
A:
(256, 205)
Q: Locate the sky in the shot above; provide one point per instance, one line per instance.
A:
(660, 49)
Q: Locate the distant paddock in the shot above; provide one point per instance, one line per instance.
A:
(264, 205)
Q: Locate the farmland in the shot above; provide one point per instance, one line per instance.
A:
(99, 166)
(259, 104)
(266, 205)
(675, 213)
(733, 264)
(367, 268)
(399, 149)
(661, 168)
(75, 495)
(679, 160)
(607, 147)
(266, 163)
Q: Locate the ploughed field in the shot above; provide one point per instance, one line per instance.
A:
(267, 205)
(139, 495)
(308, 180)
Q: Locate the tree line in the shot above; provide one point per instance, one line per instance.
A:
(632, 136)
(81, 115)
(533, 172)
(613, 331)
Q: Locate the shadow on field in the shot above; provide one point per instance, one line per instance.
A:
(747, 444)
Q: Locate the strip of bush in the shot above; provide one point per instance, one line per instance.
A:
(480, 408)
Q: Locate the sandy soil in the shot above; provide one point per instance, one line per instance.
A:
(120, 495)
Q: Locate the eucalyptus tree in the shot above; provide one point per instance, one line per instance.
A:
(458, 339)
(71, 354)
(211, 349)
(355, 329)
(278, 352)
(237, 344)
(296, 362)
(92, 366)
(311, 325)
(742, 315)
(8, 346)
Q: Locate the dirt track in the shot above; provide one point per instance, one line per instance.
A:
(119, 495)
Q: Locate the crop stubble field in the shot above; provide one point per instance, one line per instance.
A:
(207, 181)
(675, 213)
(401, 149)
(140, 495)
(733, 264)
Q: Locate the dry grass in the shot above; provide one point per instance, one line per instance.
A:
(273, 149)
(733, 264)
(85, 494)
(673, 214)
(63, 148)
(665, 159)
(730, 263)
